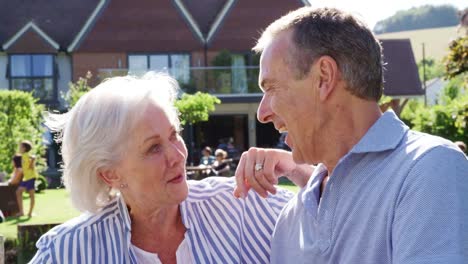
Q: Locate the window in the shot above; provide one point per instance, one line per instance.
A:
(34, 73)
(245, 72)
(177, 65)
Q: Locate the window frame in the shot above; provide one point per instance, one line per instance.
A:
(53, 77)
(168, 54)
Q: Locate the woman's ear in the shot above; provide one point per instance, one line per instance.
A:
(329, 75)
(110, 177)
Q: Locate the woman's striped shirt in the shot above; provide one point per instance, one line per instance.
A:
(220, 228)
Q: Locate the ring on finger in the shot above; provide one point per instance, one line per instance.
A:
(258, 167)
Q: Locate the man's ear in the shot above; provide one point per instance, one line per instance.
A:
(110, 177)
(328, 76)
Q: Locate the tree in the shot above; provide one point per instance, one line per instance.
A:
(456, 62)
(20, 119)
(431, 67)
(196, 107)
(426, 16)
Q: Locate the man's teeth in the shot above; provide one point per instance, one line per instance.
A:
(282, 130)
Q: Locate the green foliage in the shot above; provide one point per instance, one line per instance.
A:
(20, 119)
(196, 107)
(456, 62)
(453, 89)
(224, 58)
(78, 89)
(385, 99)
(426, 16)
(448, 119)
(431, 67)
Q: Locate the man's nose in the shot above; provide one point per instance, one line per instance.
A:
(264, 112)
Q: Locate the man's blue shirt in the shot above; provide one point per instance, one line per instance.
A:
(398, 196)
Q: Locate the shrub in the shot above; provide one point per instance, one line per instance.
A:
(20, 119)
(78, 89)
(448, 119)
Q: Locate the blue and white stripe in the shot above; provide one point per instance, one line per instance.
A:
(220, 229)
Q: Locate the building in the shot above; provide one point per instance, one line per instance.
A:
(204, 44)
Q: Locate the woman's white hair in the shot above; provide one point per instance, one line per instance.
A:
(96, 131)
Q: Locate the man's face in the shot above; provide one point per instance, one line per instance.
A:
(291, 104)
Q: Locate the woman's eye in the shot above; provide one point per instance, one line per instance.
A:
(154, 148)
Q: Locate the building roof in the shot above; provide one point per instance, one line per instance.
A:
(114, 25)
(142, 26)
(244, 20)
(30, 39)
(205, 12)
(401, 77)
(59, 20)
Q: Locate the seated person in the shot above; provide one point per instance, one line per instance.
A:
(221, 166)
(205, 162)
(207, 159)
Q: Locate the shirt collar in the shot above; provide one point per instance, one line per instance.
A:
(383, 135)
(123, 210)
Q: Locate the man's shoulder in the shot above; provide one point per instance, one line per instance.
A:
(419, 144)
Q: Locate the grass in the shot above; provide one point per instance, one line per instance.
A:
(52, 206)
(289, 186)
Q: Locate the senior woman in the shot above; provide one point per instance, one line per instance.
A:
(122, 137)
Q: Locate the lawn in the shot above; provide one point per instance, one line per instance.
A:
(290, 186)
(52, 206)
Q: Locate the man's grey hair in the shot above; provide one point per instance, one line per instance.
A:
(97, 130)
(331, 32)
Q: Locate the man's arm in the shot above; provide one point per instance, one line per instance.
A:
(275, 163)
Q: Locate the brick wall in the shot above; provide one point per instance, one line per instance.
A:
(84, 62)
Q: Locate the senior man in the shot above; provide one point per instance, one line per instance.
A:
(380, 193)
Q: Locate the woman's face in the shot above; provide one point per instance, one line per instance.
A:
(153, 164)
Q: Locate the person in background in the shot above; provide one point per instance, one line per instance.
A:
(17, 174)
(124, 166)
(232, 151)
(207, 159)
(28, 169)
(380, 193)
(221, 165)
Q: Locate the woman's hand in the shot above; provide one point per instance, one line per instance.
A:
(260, 169)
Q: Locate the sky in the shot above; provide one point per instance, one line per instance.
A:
(373, 11)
